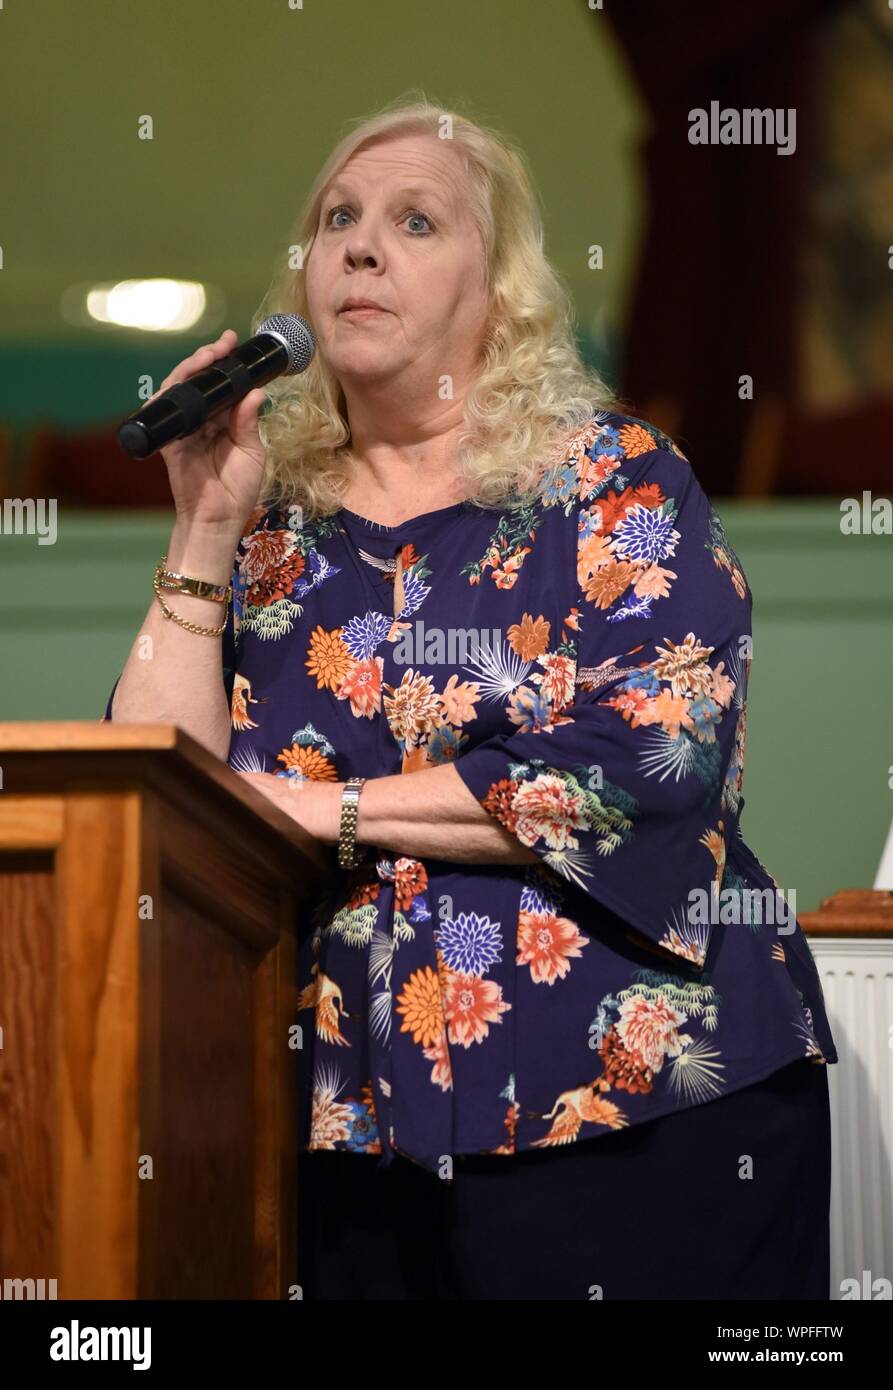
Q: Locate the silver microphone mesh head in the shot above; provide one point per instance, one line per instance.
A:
(296, 336)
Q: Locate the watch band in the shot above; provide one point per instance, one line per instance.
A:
(349, 853)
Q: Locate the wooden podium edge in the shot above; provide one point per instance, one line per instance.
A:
(72, 743)
(851, 912)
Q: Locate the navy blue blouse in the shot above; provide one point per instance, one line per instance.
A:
(583, 661)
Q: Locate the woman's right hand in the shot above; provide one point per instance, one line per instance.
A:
(216, 472)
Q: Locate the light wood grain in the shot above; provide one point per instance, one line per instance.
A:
(149, 911)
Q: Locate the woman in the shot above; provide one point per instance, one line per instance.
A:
(544, 1037)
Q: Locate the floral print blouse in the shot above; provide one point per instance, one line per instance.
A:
(593, 698)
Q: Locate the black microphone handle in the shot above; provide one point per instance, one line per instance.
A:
(184, 408)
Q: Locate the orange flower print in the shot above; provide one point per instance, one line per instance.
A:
(415, 758)
(328, 658)
(505, 577)
(410, 879)
(471, 1004)
(362, 687)
(614, 506)
(458, 700)
(634, 705)
(669, 710)
(443, 970)
(499, 801)
(684, 665)
(649, 494)
(412, 707)
(556, 684)
(439, 1054)
(530, 637)
(272, 564)
(310, 765)
(419, 1003)
(649, 1028)
(365, 891)
(592, 554)
(330, 1121)
(652, 583)
(635, 440)
(593, 472)
(608, 583)
(624, 1071)
(723, 688)
(547, 943)
(547, 808)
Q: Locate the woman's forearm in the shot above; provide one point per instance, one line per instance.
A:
(175, 676)
(432, 813)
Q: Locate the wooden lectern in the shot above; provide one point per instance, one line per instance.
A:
(148, 917)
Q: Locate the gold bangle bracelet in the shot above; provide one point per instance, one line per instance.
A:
(199, 588)
(183, 622)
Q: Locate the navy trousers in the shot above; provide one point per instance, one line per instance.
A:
(725, 1200)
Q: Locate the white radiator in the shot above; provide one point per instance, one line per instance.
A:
(857, 977)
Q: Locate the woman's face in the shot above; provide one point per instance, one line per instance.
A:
(395, 228)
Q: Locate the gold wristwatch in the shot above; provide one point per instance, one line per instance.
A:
(349, 853)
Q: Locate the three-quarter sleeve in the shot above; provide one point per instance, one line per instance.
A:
(622, 773)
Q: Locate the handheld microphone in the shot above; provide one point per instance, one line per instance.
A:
(283, 346)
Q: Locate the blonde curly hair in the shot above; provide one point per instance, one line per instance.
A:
(533, 388)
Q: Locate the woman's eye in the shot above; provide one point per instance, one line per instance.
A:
(423, 215)
(412, 216)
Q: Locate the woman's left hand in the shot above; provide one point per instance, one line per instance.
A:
(315, 806)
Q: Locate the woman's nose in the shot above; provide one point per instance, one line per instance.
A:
(361, 245)
(360, 253)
